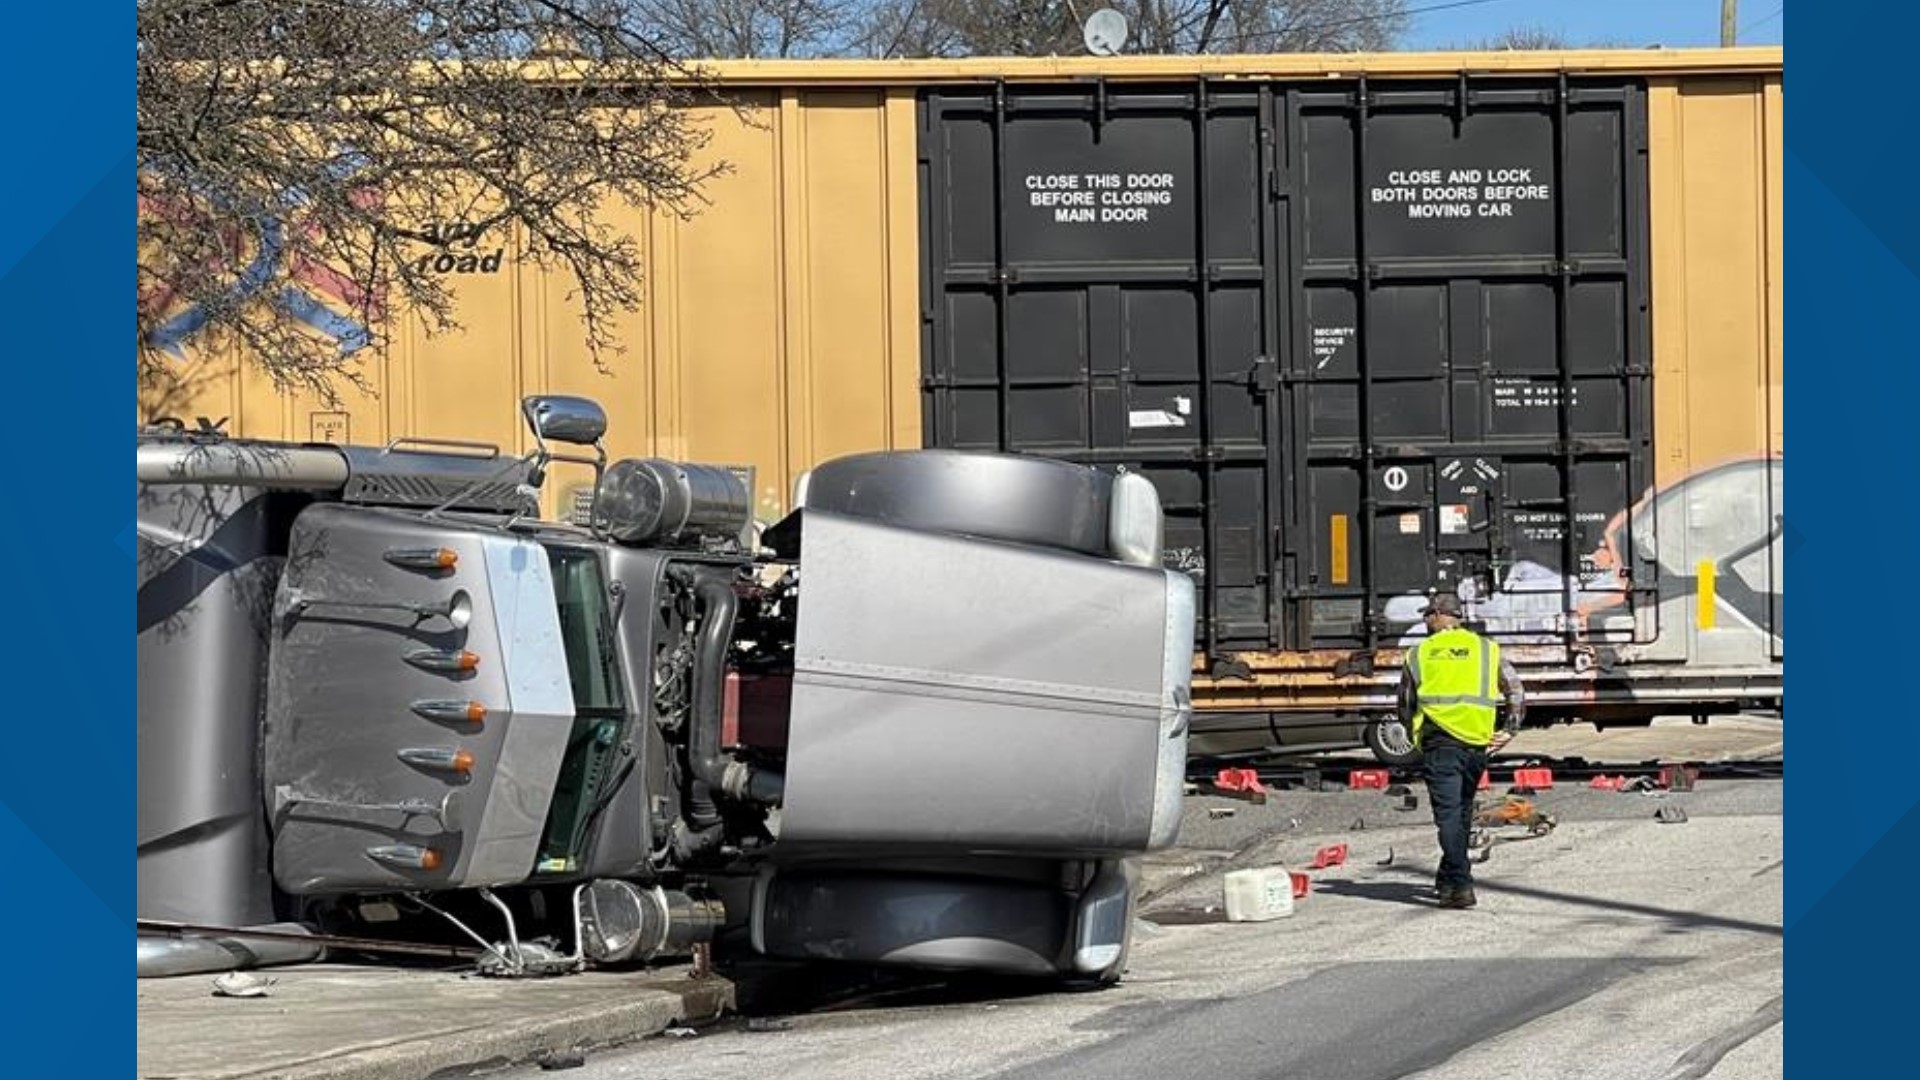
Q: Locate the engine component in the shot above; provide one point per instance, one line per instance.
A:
(709, 761)
(643, 501)
(619, 921)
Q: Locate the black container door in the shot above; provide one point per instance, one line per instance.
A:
(1101, 288)
(1467, 398)
(1450, 280)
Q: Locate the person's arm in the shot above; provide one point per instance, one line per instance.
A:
(1516, 706)
(1515, 691)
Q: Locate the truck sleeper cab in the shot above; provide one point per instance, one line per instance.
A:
(459, 699)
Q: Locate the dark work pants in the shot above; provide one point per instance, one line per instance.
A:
(1453, 773)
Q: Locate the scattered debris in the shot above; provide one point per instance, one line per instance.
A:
(1670, 815)
(1679, 777)
(1409, 801)
(1240, 782)
(769, 1023)
(242, 984)
(1608, 783)
(1258, 894)
(1511, 812)
(1333, 855)
(1537, 779)
(1359, 824)
(1388, 861)
(527, 960)
(555, 1060)
(1215, 813)
(679, 1033)
(1398, 790)
(1364, 779)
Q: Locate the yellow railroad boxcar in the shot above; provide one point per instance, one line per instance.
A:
(1506, 324)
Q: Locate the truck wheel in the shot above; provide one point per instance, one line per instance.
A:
(1009, 497)
(1392, 743)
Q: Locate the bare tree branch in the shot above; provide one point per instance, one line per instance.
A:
(307, 167)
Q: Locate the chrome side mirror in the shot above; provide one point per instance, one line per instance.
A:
(574, 420)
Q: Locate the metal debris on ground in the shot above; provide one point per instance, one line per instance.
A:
(242, 984)
(1358, 825)
(1388, 861)
(554, 1060)
(1511, 812)
(679, 1033)
(1409, 801)
(1670, 815)
(527, 960)
(769, 1023)
(1215, 813)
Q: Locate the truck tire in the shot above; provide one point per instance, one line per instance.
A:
(1391, 743)
(1009, 497)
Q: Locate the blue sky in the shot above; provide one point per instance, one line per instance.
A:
(1672, 23)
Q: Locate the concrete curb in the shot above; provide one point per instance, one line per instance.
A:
(519, 1043)
(389, 1026)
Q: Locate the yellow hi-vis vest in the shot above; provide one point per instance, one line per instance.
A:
(1455, 672)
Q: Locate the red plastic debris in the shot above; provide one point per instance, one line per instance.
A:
(1302, 884)
(1362, 779)
(1679, 777)
(1537, 779)
(1485, 781)
(1329, 856)
(1240, 780)
(1609, 783)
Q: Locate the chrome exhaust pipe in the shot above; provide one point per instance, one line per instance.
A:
(161, 957)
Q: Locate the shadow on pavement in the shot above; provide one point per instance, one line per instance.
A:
(1391, 892)
(1689, 920)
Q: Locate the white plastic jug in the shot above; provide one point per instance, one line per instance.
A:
(1259, 895)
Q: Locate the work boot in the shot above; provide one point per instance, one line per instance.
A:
(1460, 898)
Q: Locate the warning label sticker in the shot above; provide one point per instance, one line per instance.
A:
(1453, 519)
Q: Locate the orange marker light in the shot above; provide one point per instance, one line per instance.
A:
(451, 712)
(438, 758)
(437, 660)
(406, 856)
(424, 558)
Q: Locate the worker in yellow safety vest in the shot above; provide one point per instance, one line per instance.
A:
(1447, 701)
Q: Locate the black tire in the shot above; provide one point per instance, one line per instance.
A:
(1391, 743)
(1010, 497)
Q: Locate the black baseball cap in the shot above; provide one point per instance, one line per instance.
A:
(1442, 604)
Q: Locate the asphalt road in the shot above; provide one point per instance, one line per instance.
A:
(1617, 947)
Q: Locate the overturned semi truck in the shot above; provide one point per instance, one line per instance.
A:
(928, 719)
